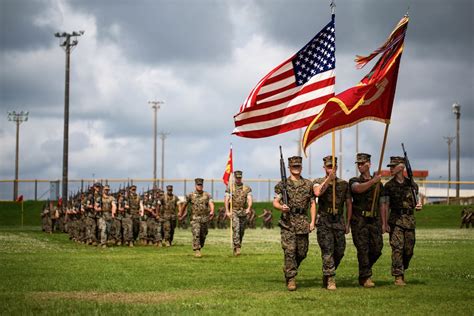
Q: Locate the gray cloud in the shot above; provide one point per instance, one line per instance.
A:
(19, 30)
(165, 31)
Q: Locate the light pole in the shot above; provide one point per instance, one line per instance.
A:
(449, 140)
(68, 45)
(155, 105)
(163, 137)
(457, 112)
(18, 118)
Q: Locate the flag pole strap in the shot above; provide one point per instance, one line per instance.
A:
(377, 187)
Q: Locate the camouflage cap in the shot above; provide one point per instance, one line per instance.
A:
(106, 187)
(238, 174)
(199, 181)
(362, 157)
(396, 160)
(295, 161)
(97, 184)
(133, 186)
(328, 160)
(169, 187)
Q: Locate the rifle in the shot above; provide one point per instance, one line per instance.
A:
(410, 176)
(284, 190)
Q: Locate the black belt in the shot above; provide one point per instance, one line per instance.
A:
(298, 210)
(402, 211)
(365, 213)
(333, 218)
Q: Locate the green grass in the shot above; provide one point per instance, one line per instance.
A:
(48, 274)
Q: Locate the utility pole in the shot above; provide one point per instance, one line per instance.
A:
(457, 113)
(155, 105)
(68, 45)
(18, 118)
(163, 137)
(449, 140)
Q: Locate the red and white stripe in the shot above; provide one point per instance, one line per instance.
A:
(277, 105)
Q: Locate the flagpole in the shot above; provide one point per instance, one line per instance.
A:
(333, 166)
(231, 190)
(333, 12)
(377, 187)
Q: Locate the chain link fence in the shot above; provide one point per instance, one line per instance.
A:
(262, 189)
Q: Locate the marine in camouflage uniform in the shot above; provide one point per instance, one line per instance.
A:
(46, 218)
(127, 222)
(90, 219)
(251, 217)
(401, 202)
(151, 206)
(105, 212)
(366, 224)
(116, 228)
(267, 219)
(241, 200)
(135, 207)
(169, 211)
(331, 226)
(221, 218)
(202, 209)
(294, 224)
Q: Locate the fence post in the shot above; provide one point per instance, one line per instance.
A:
(212, 187)
(36, 189)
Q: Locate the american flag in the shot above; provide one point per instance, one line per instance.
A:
(292, 94)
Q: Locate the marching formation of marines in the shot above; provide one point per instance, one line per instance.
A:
(101, 219)
(330, 205)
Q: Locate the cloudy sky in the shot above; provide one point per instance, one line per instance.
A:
(203, 58)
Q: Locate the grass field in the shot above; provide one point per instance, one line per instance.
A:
(48, 274)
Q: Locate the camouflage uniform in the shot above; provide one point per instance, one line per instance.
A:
(199, 202)
(330, 225)
(267, 219)
(401, 220)
(134, 204)
(46, 219)
(251, 219)
(170, 207)
(104, 218)
(90, 219)
(153, 227)
(116, 226)
(366, 226)
(240, 194)
(127, 224)
(221, 218)
(294, 224)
